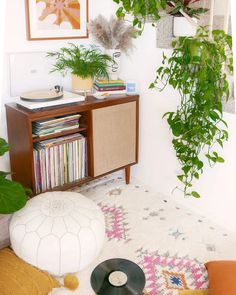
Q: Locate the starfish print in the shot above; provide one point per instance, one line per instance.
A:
(176, 234)
(65, 10)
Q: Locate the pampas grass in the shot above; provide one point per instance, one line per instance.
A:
(113, 33)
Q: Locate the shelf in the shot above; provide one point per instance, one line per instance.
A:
(58, 134)
(70, 185)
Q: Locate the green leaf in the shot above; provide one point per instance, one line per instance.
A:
(220, 160)
(196, 175)
(151, 86)
(195, 195)
(180, 177)
(4, 147)
(186, 169)
(12, 196)
(200, 165)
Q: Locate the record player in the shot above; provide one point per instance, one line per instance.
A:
(47, 98)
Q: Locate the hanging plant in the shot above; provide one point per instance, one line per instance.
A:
(140, 10)
(197, 69)
(177, 6)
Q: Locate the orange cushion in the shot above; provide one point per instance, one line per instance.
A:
(222, 277)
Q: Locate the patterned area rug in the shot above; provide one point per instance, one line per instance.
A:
(170, 243)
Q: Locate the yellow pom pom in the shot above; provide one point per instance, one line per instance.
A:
(71, 282)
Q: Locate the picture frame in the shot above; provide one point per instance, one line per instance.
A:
(56, 19)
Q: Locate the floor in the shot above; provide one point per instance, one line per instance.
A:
(170, 243)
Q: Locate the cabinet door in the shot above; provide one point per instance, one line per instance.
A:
(114, 137)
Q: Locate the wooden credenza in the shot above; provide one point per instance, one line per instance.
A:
(110, 126)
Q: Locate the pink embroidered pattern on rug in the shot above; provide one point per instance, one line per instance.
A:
(165, 274)
(116, 224)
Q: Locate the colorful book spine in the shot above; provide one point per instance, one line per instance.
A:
(109, 81)
(113, 88)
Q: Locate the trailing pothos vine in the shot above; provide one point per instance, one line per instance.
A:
(197, 69)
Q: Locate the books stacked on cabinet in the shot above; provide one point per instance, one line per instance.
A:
(59, 161)
(110, 86)
(55, 125)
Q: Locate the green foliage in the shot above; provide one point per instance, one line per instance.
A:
(12, 194)
(197, 69)
(184, 5)
(143, 10)
(140, 10)
(81, 61)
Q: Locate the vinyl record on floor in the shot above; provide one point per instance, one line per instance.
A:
(118, 277)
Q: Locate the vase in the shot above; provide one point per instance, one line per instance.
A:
(81, 84)
(114, 68)
(184, 27)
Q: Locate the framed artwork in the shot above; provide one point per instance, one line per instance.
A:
(56, 19)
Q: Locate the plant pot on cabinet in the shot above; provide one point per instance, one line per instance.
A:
(114, 69)
(184, 27)
(81, 84)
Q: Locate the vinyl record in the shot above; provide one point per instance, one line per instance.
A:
(41, 95)
(118, 277)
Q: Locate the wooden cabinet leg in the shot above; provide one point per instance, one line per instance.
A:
(127, 175)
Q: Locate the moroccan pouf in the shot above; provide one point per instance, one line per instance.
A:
(60, 232)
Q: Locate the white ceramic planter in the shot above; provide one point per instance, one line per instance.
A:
(183, 27)
(114, 69)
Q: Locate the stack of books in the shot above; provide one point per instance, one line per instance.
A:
(110, 86)
(55, 125)
(59, 161)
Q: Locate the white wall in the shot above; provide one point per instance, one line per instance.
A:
(158, 165)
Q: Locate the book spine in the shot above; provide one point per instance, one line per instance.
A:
(109, 81)
(109, 88)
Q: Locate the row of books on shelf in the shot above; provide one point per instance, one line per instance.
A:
(60, 161)
(55, 125)
(110, 86)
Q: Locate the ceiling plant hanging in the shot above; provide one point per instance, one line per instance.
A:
(140, 10)
(185, 16)
(197, 69)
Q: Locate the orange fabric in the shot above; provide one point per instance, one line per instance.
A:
(194, 292)
(18, 277)
(222, 277)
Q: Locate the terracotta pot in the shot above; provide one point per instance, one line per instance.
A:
(81, 84)
(183, 27)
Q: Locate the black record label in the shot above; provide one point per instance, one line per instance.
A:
(118, 277)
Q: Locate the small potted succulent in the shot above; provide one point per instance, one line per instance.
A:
(185, 16)
(115, 36)
(84, 63)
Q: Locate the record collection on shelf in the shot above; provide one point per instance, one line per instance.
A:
(55, 125)
(61, 160)
(110, 86)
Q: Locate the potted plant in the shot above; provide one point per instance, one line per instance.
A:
(115, 36)
(140, 11)
(197, 69)
(12, 198)
(185, 16)
(83, 63)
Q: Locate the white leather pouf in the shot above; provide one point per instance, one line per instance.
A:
(60, 232)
